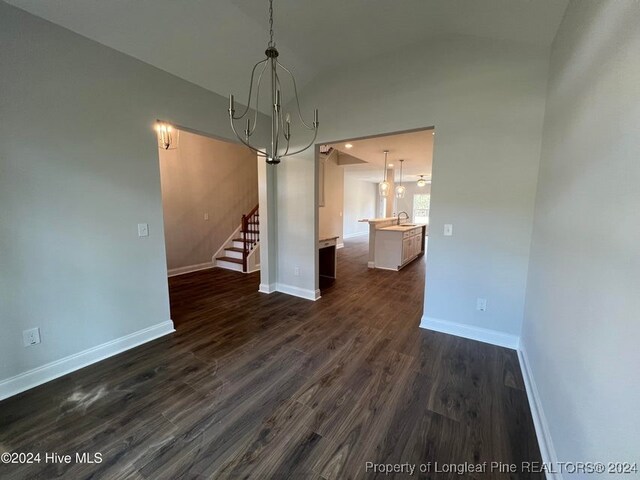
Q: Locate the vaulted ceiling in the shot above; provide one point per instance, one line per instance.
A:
(214, 43)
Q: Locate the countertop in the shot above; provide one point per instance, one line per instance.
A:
(378, 220)
(327, 239)
(402, 228)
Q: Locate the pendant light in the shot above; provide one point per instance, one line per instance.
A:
(383, 186)
(280, 127)
(421, 182)
(400, 189)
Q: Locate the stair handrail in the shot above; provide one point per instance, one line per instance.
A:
(249, 237)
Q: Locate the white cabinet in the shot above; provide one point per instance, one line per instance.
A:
(407, 247)
(397, 247)
(411, 247)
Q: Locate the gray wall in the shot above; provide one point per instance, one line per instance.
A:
(359, 202)
(581, 324)
(486, 100)
(203, 175)
(78, 172)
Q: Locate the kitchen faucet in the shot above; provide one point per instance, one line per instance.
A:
(405, 214)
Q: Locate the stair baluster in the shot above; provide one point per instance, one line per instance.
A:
(250, 234)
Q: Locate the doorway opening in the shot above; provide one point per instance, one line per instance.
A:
(211, 211)
(364, 235)
(421, 206)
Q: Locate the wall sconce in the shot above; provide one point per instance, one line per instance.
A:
(165, 135)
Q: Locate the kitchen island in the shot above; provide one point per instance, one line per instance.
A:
(392, 245)
(398, 245)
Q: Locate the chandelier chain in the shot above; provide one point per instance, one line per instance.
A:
(271, 44)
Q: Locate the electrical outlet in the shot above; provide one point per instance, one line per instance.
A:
(143, 229)
(206, 216)
(448, 230)
(31, 337)
(296, 271)
(481, 305)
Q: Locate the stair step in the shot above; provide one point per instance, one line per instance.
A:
(234, 252)
(229, 259)
(249, 231)
(229, 266)
(243, 240)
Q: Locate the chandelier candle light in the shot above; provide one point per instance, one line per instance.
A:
(280, 127)
(383, 186)
(400, 189)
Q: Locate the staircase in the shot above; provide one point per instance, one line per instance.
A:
(242, 251)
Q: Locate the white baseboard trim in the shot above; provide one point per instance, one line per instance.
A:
(188, 269)
(45, 373)
(371, 264)
(539, 419)
(298, 292)
(354, 235)
(485, 335)
(267, 288)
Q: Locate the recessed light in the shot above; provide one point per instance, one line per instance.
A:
(433, 133)
(348, 145)
(391, 164)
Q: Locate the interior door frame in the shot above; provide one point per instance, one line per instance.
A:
(317, 185)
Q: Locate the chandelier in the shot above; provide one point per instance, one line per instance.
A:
(280, 127)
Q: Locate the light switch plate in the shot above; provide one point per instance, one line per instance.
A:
(31, 337)
(448, 229)
(143, 229)
(481, 305)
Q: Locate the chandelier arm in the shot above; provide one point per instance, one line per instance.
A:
(278, 113)
(295, 91)
(257, 150)
(253, 71)
(275, 112)
(278, 87)
(274, 154)
(287, 137)
(280, 120)
(255, 117)
(315, 135)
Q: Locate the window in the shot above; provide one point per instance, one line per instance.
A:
(421, 203)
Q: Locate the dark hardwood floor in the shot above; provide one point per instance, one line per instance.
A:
(276, 387)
